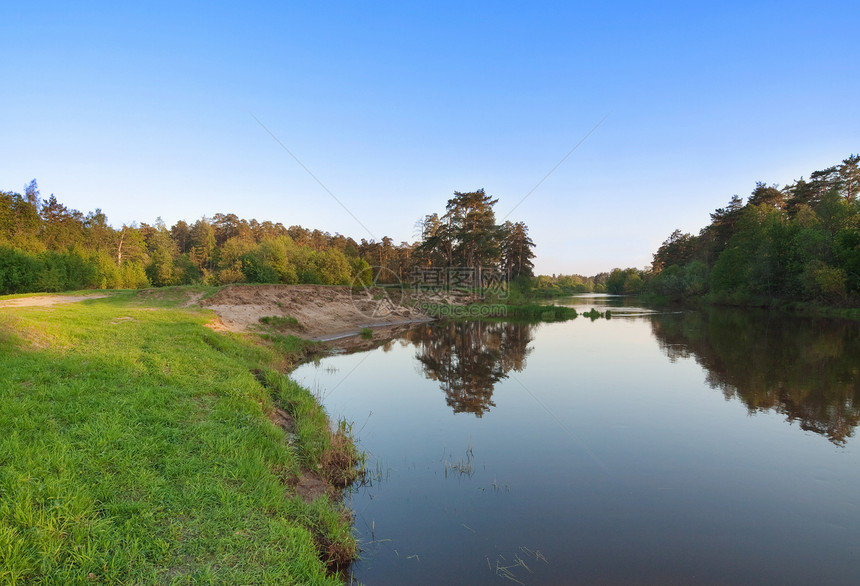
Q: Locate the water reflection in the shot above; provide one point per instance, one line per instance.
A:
(640, 473)
(806, 369)
(469, 358)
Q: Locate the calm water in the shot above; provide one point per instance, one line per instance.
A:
(653, 448)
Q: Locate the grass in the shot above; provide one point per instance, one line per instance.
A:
(291, 349)
(593, 314)
(801, 308)
(541, 312)
(366, 333)
(136, 449)
(527, 312)
(281, 323)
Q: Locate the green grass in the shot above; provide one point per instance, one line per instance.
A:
(136, 449)
(366, 333)
(527, 312)
(541, 312)
(281, 323)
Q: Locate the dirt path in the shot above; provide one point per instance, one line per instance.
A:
(47, 300)
(322, 312)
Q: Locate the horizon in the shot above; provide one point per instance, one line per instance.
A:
(603, 129)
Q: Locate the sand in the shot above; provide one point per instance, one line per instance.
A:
(324, 313)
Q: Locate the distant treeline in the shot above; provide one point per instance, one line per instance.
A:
(45, 246)
(560, 285)
(796, 243)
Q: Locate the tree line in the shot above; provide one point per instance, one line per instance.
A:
(800, 242)
(45, 246)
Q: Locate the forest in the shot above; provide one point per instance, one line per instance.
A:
(47, 247)
(798, 243)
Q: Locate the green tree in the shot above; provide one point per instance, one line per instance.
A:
(162, 251)
(107, 273)
(677, 249)
(333, 267)
(19, 271)
(722, 228)
(32, 194)
(134, 275)
(811, 192)
(764, 195)
(517, 251)
(130, 246)
(20, 224)
(474, 229)
(231, 258)
(624, 281)
(275, 252)
(203, 244)
(849, 176)
(227, 226)
(61, 227)
(847, 252)
(824, 283)
(269, 262)
(181, 234)
(98, 236)
(437, 242)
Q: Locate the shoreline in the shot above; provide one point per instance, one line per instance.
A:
(272, 454)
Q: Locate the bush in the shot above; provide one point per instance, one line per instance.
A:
(824, 283)
(678, 283)
(107, 274)
(19, 271)
(256, 270)
(133, 276)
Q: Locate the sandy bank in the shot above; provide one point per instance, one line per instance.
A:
(323, 312)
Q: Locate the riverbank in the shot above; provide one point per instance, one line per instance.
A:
(499, 311)
(792, 307)
(798, 308)
(315, 312)
(140, 446)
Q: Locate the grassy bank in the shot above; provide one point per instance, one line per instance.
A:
(524, 312)
(539, 312)
(138, 447)
(801, 308)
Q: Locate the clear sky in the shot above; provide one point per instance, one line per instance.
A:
(148, 109)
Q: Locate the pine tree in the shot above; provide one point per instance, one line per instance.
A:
(517, 250)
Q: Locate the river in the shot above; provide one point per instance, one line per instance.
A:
(655, 447)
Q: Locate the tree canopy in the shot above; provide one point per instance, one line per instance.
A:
(800, 242)
(467, 236)
(45, 246)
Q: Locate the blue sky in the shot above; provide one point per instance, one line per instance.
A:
(147, 110)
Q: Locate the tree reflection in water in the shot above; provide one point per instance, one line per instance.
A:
(807, 369)
(469, 357)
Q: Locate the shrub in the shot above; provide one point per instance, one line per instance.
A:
(19, 271)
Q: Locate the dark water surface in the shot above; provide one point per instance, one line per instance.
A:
(655, 448)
